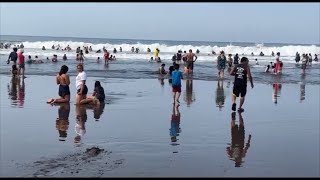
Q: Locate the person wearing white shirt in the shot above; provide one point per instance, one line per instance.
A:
(82, 89)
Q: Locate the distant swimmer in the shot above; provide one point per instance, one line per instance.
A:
(78, 50)
(86, 50)
(98, 59)
(310, 59)
(137, 50)
(272, 54)
(184, 58)
(162, 70)
(54, 58)
(106, 57)
(81, 56)
(120, 49)
(316, 57)
(114, 50)
(230, 60)
(297, 57)
(268, 67)
(52, 47)
(257, 61)
(99, 51)
(252, 54)
(236, 59)
(261, 53)
(214, 53)
(132, 49)
(156, 54)
(304, 61)
(149, 50)
(64, 57)
(21, 46)
(174, 57)
(90, 48)
(197, 51)
(179, 57)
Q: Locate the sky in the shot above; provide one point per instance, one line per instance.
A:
(217, 22)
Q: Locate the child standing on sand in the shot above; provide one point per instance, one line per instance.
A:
(176, 83)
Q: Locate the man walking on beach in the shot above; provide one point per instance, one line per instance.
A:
(176, 83)
(240, 73)
(190, 60)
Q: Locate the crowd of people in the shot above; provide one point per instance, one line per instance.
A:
(236, 67)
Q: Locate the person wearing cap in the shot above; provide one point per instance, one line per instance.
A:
(221, 60)
(21, 63)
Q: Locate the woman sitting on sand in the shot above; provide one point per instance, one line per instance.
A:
(97, 97)
(64, 91)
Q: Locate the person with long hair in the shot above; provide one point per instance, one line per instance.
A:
(97, 97)
(64, 92)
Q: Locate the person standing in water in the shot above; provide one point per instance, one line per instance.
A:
(21, 63)
(13, 56)
(240, 73)
(156, 54)
(221, 60)
(190, 56)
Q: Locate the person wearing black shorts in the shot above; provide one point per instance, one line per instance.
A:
(240, 73)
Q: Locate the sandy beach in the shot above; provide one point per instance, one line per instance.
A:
(134, 131)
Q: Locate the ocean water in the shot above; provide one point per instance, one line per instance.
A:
(135, 65)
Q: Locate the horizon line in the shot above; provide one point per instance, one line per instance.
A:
(164, 40)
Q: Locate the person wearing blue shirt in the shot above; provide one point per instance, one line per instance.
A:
(176, 83)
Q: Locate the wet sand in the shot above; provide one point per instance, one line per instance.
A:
(134, 131)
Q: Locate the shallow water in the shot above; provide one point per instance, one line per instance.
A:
(134, 129)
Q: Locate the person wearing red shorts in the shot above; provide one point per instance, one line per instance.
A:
(176, 83)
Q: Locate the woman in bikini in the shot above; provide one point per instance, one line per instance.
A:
(64, 92)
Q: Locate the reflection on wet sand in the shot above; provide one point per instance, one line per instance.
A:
(302, 88)
(81, 119)
(220, 96)
(237, 151)
(175, 129)
(276, 92)
(189, 95)
(97, 109)
(62, 122)
(16, 90)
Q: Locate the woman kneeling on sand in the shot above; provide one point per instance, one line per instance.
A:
(63, 80)
(97, 97)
